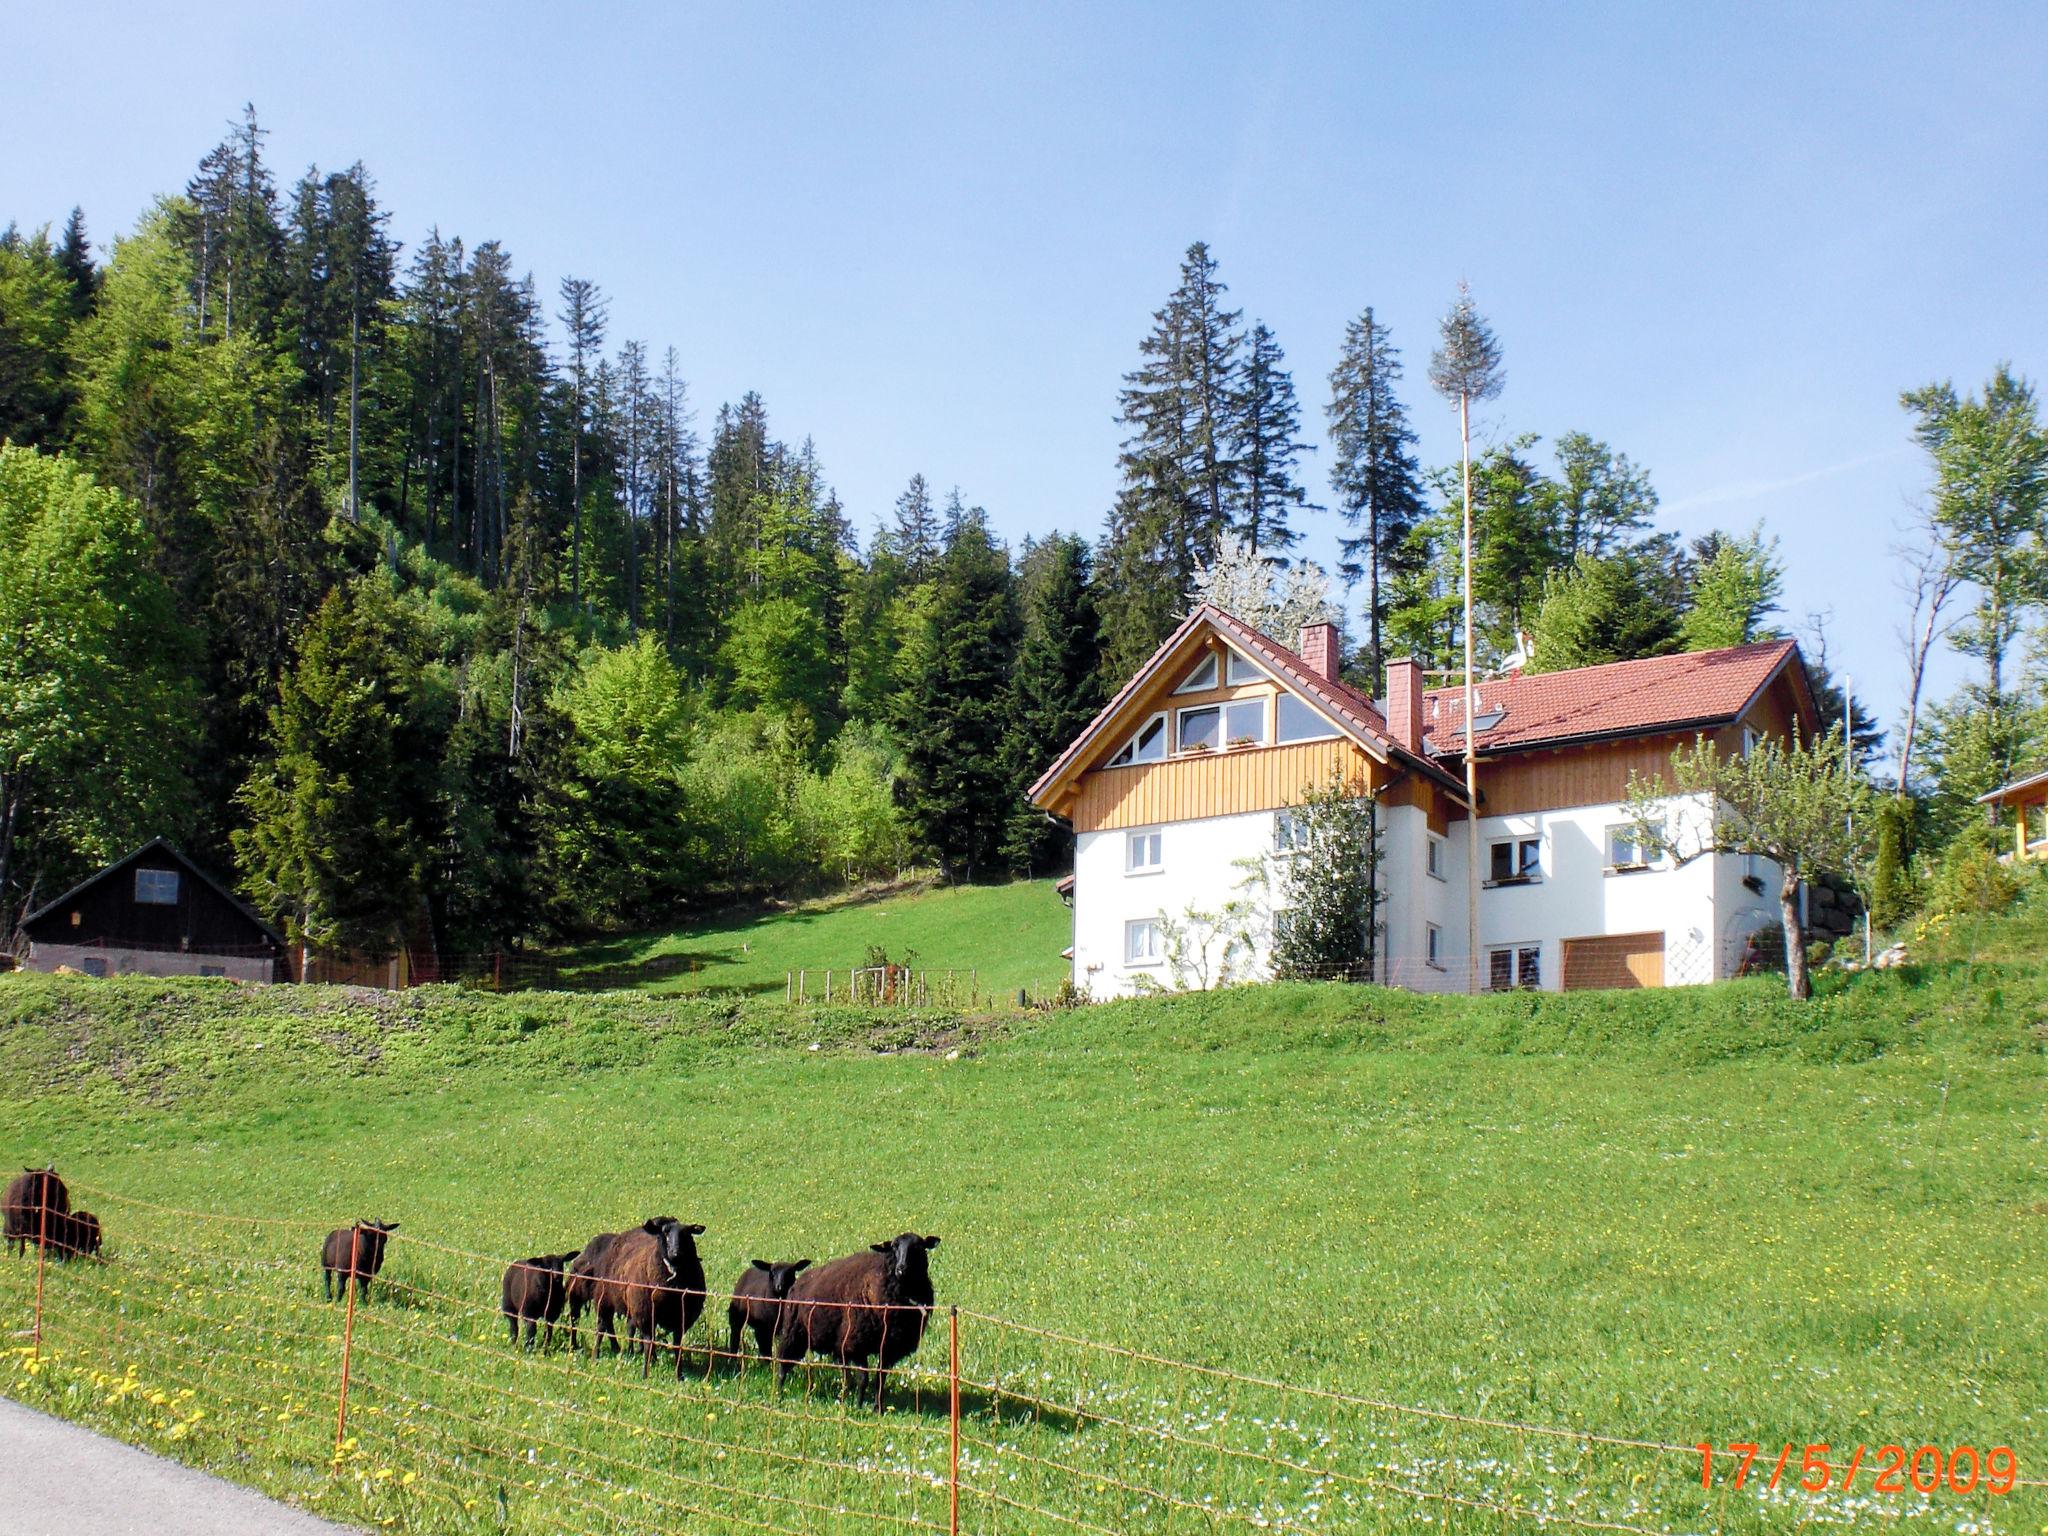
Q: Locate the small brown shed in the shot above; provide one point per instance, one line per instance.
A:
(153, 913)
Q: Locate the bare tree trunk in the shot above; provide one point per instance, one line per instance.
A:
(1797, 980)
(1471, 747)
(355, 514)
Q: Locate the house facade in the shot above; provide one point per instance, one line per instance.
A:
(1179, 795)
(153, 913)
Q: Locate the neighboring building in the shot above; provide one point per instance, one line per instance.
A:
(1180, 785)
(153, 913)
(2027, 800)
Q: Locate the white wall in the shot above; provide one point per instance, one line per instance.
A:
(1200, 871)
(149, 962)
(1415, 899)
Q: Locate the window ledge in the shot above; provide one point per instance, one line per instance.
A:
(1491, 885)
(1629, 869)
(1436, 875)
(1139, 874)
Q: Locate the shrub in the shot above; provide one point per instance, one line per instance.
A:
(1894, 891)
(1970, 879)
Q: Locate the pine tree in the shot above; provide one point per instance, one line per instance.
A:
(952, 714)
(1374, 473)
(1602, 609)
(1735, 589)
(582, 315)
(915, 536)
(74, 256)
(1181, 487)
(1600, 500)
(1265, 440)
(1055, 691)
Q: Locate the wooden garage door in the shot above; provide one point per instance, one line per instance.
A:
(1614, 960)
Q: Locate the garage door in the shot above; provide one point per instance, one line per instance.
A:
(1614, 960)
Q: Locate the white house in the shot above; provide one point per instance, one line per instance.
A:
(1178, 793)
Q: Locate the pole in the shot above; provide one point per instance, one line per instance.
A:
(1471, 749)
(42, 1256)
(348, 1335)
(953, 1423)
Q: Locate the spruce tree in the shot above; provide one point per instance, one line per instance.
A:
(1374, 473)
(1265, 440)
(915, 536)
(582, 316)
(1054, 692)
(953, 712)
(74, 257)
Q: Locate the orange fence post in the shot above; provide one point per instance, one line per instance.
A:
(348, 1334)
(42, 1254)
(953, 1423)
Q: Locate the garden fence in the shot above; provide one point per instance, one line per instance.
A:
(206, 1335)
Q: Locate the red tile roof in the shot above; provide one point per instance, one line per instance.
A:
(1623, 698)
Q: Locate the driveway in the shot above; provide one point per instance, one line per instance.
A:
(59, 1480)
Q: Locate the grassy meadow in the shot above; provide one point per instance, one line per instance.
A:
(996, 938)
(1706, 1214)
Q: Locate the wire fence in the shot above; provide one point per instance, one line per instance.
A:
(207, 1336)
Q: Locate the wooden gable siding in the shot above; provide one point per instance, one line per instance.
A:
(1215, 783)
(1567, 776)
(1437, 807)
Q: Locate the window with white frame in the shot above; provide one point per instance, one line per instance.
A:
(1512, 967)
(1749, 741)
(1141, 941)
(1433, 857)
(1141, 853)
(1201, 730)
(1238, 670)
(1203, 676)
(156, 887)
(1295, 719)
(1148, 746)
(1290, 832)
(1515, 861)
(1283, 925)
(1626, 849)
(1244, 723)
(1435, 956)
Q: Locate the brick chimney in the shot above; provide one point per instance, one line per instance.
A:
(1404, 702)
(1319, 649)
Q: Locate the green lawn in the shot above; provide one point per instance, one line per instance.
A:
(1707, 1214)
(985, 939)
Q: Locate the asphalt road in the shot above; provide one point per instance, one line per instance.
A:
(59, 1480)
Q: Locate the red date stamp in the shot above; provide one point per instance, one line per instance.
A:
(1885, 1469)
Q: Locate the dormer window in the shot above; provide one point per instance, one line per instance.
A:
(1148, 746)
(1203, 676)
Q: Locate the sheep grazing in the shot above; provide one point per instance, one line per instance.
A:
(757, 1301)
(579, 1290)
(357, 1252)
(534, 1293)
(29, 1194)
(76, 1234)
(866, 1305)
(653, 1278)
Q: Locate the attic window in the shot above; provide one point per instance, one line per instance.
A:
(1203, 676)
(1238, 670)
(1148, 746)
(156, 887)
(1298, 720)
(1487, 719)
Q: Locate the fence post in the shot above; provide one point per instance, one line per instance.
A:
(953, 1423)
(348, 1335)
(42, 1255)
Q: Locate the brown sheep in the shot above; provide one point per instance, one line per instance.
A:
(356, 1251)
(533, 1295)
(757, 1301)
(579, 1291)
(28, 1195)
(653, 1278)
(76, 1234)
(871, 1304)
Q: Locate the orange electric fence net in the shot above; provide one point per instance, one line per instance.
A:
(208, 1336)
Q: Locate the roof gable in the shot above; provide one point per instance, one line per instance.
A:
(1621, 698)
(161, 848)
(1349, 711)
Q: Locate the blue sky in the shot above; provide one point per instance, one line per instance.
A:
(932, 236)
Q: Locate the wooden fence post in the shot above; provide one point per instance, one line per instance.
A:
(348, 1335)
(42, 1255)
(953, 1423)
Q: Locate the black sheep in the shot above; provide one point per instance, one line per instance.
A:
(29, 1194)
(867, 1305)
(534, 1293)
(356, 1251)
(757, 1301)
(76, 1234)
(653, 1278)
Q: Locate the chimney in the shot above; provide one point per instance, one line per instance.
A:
(1319, 650)
(1404, 702)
